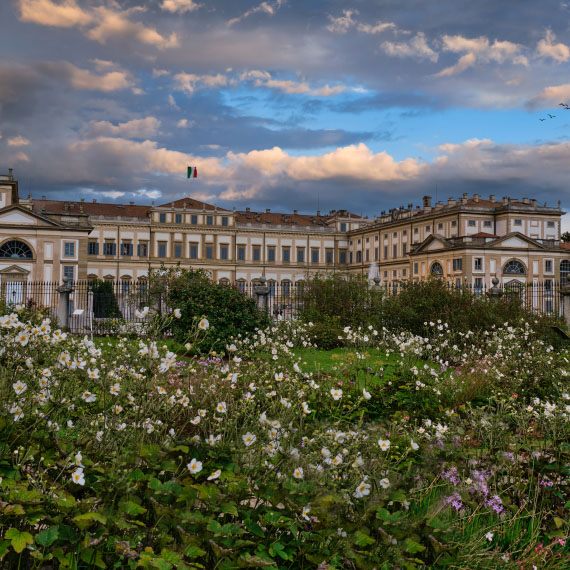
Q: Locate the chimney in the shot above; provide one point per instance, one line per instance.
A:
(131, 203)
(492, 198)
(295, 212)
(427, 201)
(267, 210)
(11, 173)
(248, 209)
(505, 200)
(94, 201)
(318, 212)
(476, 198)
(450, 202)
(533, 202)
(44, 198)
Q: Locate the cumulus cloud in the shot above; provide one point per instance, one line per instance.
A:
(80, 78)
(189, 82)
(268, 8)
(182, 123)
(180, 6)
(99, 23)
(136, 128)
(63, 14)
(417, 47)
(18, 141)
(342, 24)
(551, 96)
(557, 51)
(479, 50)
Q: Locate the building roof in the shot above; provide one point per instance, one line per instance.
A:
(275, 218)
(61, 207)
(191, 204)
(565, 245)
(483, 235)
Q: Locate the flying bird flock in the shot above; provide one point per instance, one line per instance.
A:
(565, 106)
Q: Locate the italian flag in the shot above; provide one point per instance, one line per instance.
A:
(192, 172)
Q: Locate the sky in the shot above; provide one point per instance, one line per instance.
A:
(286, 104)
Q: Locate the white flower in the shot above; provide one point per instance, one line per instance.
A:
(362, 490)
(115, 389)
(489, 536)
(306, 409)
(194, 466)
(215, 475)
(221, 408)
(414, 445)
(88, 396)
(384, 444)
(298, 473)
(142, 314)
(384, 483)
(177, 313)
(17, 411)
(203, 325)
(19, 387)
(78, 459)
(93, 374)
(77, 476)
(23, 338)
(366, 395)
(336, 393)
(249, 439)
(305, 512)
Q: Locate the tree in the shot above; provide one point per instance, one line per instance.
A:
(565, 237)
(105, 304)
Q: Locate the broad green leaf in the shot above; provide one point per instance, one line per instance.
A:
(132, 509)
(19, 539)
(363, 539)
(48, 536)
(87, 519)
(412, 546)
(4, 547)
(194, 552)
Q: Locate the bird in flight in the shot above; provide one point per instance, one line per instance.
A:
(551, 116)
(542, 119)
(565, 106)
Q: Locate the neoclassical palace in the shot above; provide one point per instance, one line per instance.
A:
(470, 239)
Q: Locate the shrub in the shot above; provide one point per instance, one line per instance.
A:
(228, 311)
(105, 304)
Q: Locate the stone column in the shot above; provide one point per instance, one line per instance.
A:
(565, 300)
(64, 291)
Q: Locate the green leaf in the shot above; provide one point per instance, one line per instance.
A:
(558, 522)
(412, 546)
(48, 536)
(19, 540)
(229, 508)
(4, 546)
(363, 539)
(87, 519)
(194, 552)
(132, 509)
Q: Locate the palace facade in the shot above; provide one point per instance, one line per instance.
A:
(467, 240)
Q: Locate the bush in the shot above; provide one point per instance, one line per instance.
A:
(105, 304)
(229, 312)
(326, 332)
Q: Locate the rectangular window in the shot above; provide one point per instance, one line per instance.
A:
(93, 248)
(453, 223)
(69, 249)
(178, 218)
(487, 224)
(358, 256)
(69, 272)
(395, 250)
(178, 250)
(478, 264)
(194, 219)
(440, 226)
(161, 249)
(404, 272)
(404, 249)
(142, 249)
(343, 227)
(376, 253)
(367, 255)
(209, 251)
(458, 264)
(126, 249)
(256, 252)
(416, 268)
(193, 251)
(109, 248)
(350, 257)
(162, 218)
(271, 253)
(385, 252)
(428, 229)
(471, 223)
(225, 221)
(315, 255)
(518, 222)
(241, 252)
(342, 256)
(548, 266)
(286, 254)
(209, 220)
(224, 251)
(550, 225)
(416, 231)
(478, 284)
(300, 255)
(329, 255)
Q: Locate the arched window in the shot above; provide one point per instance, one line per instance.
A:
(514, 267)
(242, 285)
(436, 269)
(286, 287)
(15, 249)
(225, 281)
(272, 285)
(565, 270)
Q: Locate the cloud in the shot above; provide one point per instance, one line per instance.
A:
(99, 23)
(342, 24)
(479, 50)
(135, 129)
(417, 47)
(80, 78)
(264, 8)
(18, 141)
(551, 96)
(189, 82)
(182, 123)
(547, 48)
(180, 6)
(63, 14)
(114, 24)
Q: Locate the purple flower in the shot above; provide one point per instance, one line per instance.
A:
(495, 503)
(480, 481)
(509, 456)
(546, 482)
(451, 475)
(454, 501)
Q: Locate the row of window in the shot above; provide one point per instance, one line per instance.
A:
(210, 220)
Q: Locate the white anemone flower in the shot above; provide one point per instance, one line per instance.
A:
(249, 439)
(194, 466)
(215, 475)
(362, 490)
(384, 444)
(336, 393)
(298, 473)
(78, 477)
(204, 325)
